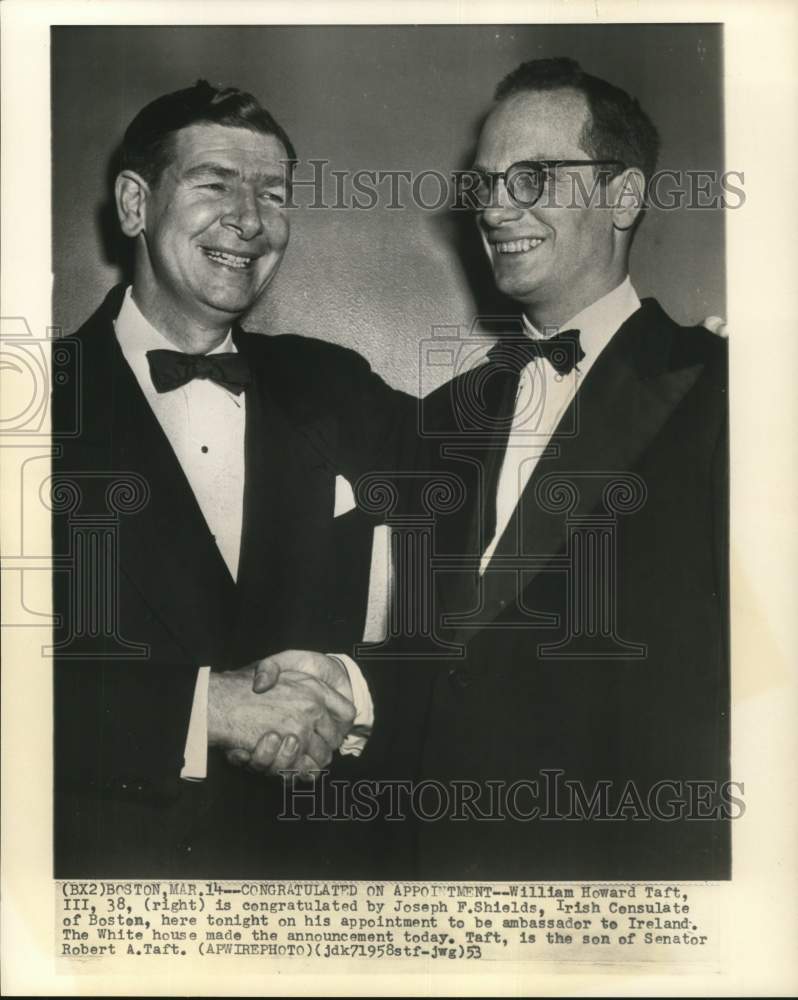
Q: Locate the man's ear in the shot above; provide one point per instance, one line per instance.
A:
(627, 197)
(131, 191)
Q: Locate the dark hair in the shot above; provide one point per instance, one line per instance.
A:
(617, 127)
(148, 143)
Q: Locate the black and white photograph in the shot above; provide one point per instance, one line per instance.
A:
(458, 344)
(386, 500)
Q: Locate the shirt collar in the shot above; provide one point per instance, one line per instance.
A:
(600, 320)
(136, 336)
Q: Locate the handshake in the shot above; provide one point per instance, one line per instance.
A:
(290, 711)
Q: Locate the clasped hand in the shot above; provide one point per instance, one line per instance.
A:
(288, 711)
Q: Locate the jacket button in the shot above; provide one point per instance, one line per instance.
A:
(459, 678)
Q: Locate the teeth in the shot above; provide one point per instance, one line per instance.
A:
(230, 259)
(518, 246)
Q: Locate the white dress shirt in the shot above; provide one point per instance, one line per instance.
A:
(205, 425)
(543, 396)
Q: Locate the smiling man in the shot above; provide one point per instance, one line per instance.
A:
(213, 453)
(593, 601)
(555, 220)
(197, 268)
(582, 731)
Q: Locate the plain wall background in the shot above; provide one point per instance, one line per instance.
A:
(379, 98)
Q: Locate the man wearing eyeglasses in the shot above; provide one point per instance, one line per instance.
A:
(579, 728)
(595, 625)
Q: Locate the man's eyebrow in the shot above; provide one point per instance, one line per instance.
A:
(271, 178)
(218, 170)
(210, 168)
(533, 158)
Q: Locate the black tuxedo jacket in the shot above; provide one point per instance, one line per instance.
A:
(144, 596)
(620, 677)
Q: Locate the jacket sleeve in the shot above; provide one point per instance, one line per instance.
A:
(377, 431)
(118, 733)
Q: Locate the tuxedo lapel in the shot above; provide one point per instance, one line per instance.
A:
(458, 535)
(627, 397)
(288, 480)
(167, 550)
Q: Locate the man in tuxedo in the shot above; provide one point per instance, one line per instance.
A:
(577, 725)
(193, 519)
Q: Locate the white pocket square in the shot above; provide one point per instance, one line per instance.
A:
(344, 497)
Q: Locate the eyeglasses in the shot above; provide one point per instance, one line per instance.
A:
(525, 181)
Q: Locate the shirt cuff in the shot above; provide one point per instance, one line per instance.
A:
(195, 759)
(355, 742)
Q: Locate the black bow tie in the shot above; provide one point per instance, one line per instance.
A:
(563, 352)
(171, 369)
